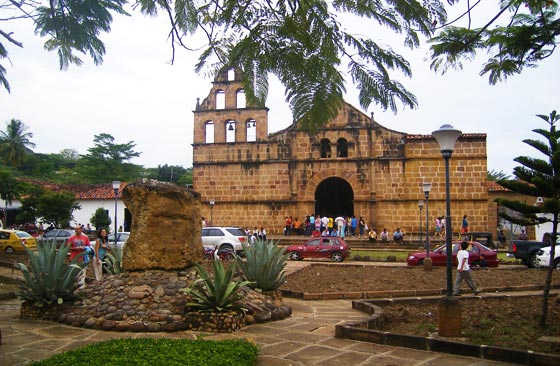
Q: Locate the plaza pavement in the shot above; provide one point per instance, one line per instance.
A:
(306, 338)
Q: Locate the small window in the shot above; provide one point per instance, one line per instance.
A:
(251, 130)
(209, 131)
(241, 100)
(231, 75)
(342, 148)
(220, 99)
(325, 148)
(230, 131)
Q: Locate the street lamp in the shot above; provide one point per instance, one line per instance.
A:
(420, 207)
(212, 203)
(116, 186)
(446, 137)
(427, 187)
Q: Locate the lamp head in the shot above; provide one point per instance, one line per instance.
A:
(212, 203)
(116, 185)
(426, 188)
(446, 137)
(420, 204)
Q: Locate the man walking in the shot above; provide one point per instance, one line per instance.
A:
(78, 243)
(464, 271)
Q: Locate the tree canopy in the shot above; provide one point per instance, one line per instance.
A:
(15, 143)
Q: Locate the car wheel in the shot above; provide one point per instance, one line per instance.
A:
(337, 257)
(226, 248)
(10, 250)
(421, 262)
(295, 256)
(557, 263)
(533, 261)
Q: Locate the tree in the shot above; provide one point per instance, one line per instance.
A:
(29, 203)
(15, 143)
(10, 190)
(57, 208)
(100, 219)
(528, 37)
(494, 175)
(107, 161)
(170, 173)
(303, 43)
(538, 178)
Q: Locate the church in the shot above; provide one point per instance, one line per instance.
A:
(353, 166)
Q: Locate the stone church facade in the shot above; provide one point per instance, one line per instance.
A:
(352, 166)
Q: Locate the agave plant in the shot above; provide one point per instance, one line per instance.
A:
(219, 292)
(263, 265)
(112, 262)
(49, 279)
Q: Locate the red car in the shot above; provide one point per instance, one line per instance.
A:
(438, 255)
(331, 247)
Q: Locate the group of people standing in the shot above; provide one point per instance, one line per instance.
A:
(79, 243)
(315, 225)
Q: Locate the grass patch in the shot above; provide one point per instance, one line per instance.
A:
(158, 351)
(379, 255)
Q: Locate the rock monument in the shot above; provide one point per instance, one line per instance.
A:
(166, 226)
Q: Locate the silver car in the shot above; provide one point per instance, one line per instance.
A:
(58, 235)
(122, 237)
(225, 238)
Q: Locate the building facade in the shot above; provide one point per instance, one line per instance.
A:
(352, 166)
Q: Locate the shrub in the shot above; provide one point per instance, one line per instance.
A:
(357, 257)
(158, 351)
(217, 293)
(51, 279)
(263, 265)
(112, 262)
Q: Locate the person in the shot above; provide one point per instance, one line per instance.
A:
(465, 225)
(398, 236)
(501, 237)
(464, 271)
(384, 235)
(78, 243)
(353, 225)
(263, 233)
(101, 249)
(438, 227)
(372, 235)
(523, 235)
(361, 227)
(288, 226)
(340, 225)
(482, 263)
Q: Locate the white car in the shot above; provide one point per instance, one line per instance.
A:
(122, 236)
(225, 238)
(543, 256)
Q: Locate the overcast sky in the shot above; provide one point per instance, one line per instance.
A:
(136, 95)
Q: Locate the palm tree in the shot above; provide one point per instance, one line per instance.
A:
(15, 143)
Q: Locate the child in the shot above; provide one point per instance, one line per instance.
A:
(464, 271)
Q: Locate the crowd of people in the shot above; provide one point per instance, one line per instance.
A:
(315, 225)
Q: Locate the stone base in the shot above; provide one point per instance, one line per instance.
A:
(428, 264)
(214, 322)
(449, 318)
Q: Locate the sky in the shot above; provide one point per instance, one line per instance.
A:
(137, 95)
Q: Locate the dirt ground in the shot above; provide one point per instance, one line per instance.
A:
(510, 323)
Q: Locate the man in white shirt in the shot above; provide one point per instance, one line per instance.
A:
(464, 271)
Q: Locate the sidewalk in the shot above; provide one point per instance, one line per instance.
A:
(306, 338)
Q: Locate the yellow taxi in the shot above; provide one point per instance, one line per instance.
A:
(13, 241)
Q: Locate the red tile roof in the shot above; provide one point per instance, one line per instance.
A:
(493, 186)
(103, 191)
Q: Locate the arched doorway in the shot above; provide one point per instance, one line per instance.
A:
(334, 197)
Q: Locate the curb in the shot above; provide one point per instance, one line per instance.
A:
(365, 331)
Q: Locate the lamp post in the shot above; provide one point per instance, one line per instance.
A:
(420, 207)
(116, 186)
(427, 187)
(212, 203)
(449, 310)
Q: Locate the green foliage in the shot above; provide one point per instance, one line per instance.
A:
(494, 175)
(219, 292)
(100, 219)
(49, 279)
(107, 161)
(113, 260)
(57, 207)
(158, 351)
(528, 37)
(263, 265)
(15, 143)
(174, 174)
(29, 203)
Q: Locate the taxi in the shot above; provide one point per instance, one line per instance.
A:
(14, 240)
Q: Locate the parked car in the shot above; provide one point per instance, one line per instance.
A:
(543, 257)
(439, 255)
(332, 247)
(224, 238)
(14, 240)
(122, 237)
(58, 235)
(483, 237)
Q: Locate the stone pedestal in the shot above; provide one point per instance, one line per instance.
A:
(449, 317)
(428, 264)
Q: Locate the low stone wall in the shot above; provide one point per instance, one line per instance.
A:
(149, 301)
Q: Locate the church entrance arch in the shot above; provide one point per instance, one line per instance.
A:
(334, 197)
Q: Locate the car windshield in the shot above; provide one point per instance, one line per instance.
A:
(23, 234)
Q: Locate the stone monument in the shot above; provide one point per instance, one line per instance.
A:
(166, 226)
